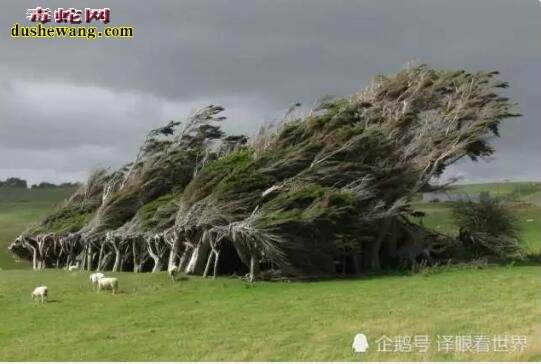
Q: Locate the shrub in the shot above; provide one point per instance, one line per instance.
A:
(487, 228)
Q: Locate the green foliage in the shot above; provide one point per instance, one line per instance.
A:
(312, 203)
(70, 223)
(491, 217)
(157, 214)
(149, 209)
(230, 166)
(488, 228)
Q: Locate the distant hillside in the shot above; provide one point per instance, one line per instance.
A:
(43, 195)
(438, 215)
(20, 207)
(518, 189)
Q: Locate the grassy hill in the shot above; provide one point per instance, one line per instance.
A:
(155, 319)
(21, 207)
(438, 215)
(501, 189)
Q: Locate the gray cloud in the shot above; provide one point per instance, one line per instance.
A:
(69, 105)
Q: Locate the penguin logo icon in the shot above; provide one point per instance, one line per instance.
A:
(360, 343)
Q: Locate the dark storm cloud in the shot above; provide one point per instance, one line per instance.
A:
(256, 57)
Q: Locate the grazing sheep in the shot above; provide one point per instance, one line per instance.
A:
(71, 268)
(172, 271)
(41, 293)
(108, 283)
(95, 277)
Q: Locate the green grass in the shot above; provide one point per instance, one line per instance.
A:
(154, 319)
(20, 208)
(438, 216)
(530, 226)
(519, 189)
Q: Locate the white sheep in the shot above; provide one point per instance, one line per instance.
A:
(95, 277)
(108, 283)
(172, 271)
(41, 293)
(71, 268)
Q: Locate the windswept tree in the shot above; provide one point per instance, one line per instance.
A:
(316, 195)
(166, 162)
(331, 191)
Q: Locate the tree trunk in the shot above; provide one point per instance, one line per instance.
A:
(106, 260)
(83, 262)
(173, 254)
(89, 257)
(207, 266)
(158, 266)
(216, 258)
(137, 264)
(184, 259)
(193, 259)
(34, 259)
(254, 268)
(68, 260)
(197, 260)
(116, 266)
(100, 258)
(41, 262)
(158, 261)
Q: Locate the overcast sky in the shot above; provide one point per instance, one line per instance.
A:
(68, 106)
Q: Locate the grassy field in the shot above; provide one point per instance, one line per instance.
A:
(438, 215)
(155, 319)
(21, 207)
(517, 189)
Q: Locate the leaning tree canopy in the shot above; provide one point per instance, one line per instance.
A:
(325, 192)
(73, 214)
(328, 180)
